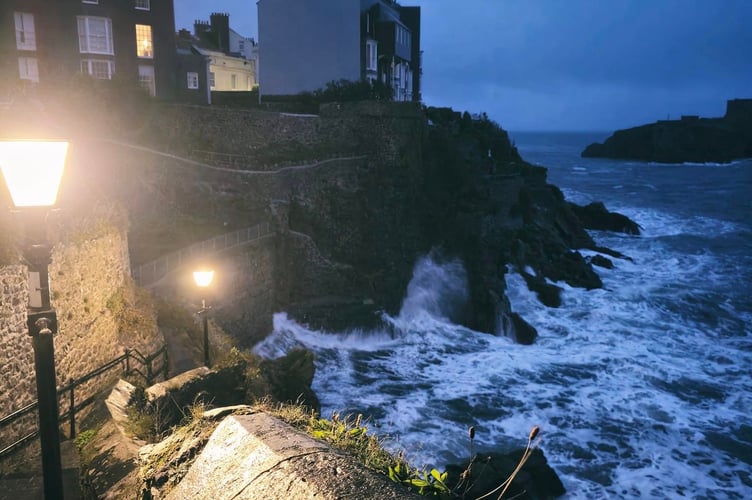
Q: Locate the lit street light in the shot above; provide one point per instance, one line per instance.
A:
(203, 279)
(32, 172)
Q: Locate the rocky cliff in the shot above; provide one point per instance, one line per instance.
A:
(690, 139)
(356, 195)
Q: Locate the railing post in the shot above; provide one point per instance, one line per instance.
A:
(149, 376)
(165, 362)
(127, 361)
(72, 410)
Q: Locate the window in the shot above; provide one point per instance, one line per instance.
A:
(100, 69)
(371, 46)
(144, 47)
(90, 1)
(28, 69)
(143, 4)
(241, 45)
(26, 38)
(192, 80)
(212, 82)
(95, 35)
(233, 81)
(146, 78)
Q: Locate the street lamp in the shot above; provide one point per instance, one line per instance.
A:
(32, 172)
(203, 279)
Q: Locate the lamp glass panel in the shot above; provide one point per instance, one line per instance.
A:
(33, 170)
(203, 278)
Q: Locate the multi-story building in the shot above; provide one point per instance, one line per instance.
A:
(304, 45)
(215, 58)
(47, 41)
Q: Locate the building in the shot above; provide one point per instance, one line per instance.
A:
(215, 58)
(304, 45)
(48, 41)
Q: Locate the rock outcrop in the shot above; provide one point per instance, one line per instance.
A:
(486, 471)
(256, 456)
(690, 139)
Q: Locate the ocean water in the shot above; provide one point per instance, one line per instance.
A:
(641, 389)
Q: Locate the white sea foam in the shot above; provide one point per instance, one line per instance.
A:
(641, 388)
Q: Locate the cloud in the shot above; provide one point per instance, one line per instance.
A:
(589, 64)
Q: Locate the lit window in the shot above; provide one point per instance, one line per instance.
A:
(26, 38)
(144, 47)
(146, 78)
(143, 4)
(192, 80)
(100, 69)
(212, 81)
(28, 69)
(95, 35)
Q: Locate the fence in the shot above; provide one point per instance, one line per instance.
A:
(150, 273)
(130, 354)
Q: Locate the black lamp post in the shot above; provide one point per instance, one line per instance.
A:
(32, 171)
(203, 279)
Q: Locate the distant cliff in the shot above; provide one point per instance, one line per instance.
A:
(690, 139)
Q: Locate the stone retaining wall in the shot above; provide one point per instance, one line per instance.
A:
(84, 276)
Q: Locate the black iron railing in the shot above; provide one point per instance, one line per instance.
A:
(146, 362)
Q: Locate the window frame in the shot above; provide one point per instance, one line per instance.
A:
(145, 45)
(372, 55)
(149, 84)
(22, 30)
(25, 74)
(108, 36)
(212, 80)
(90, 68)
(192, 80)
(147, 5)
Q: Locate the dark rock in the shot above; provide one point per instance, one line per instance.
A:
(548, 294)
(171, 400)
(596, 216)
(574, 269)
(535, 481)
(601, 261)
(524, 332)
(290, 378)
(690, 139)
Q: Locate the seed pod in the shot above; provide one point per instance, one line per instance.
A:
(533, 432)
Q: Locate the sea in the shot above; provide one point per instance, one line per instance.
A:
(641, 389)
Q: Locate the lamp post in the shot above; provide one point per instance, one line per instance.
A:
(32, 172)
(203, 279)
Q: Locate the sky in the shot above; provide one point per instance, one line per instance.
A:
(558, 65)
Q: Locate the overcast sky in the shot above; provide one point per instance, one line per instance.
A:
(595, 65)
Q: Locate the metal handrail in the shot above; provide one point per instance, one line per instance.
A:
(73, 408)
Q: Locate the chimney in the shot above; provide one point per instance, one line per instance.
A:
(220, 25)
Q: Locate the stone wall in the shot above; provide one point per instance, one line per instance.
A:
(85, 275)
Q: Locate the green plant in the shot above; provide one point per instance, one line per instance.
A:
(84, 438)
(421, 481)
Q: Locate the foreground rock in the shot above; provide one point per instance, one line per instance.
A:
(691, 139)
(536, 481)
(256, 456)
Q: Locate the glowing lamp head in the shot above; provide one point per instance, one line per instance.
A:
(33, 170)
(203, 278)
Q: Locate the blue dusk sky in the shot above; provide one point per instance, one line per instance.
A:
(589, 65)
